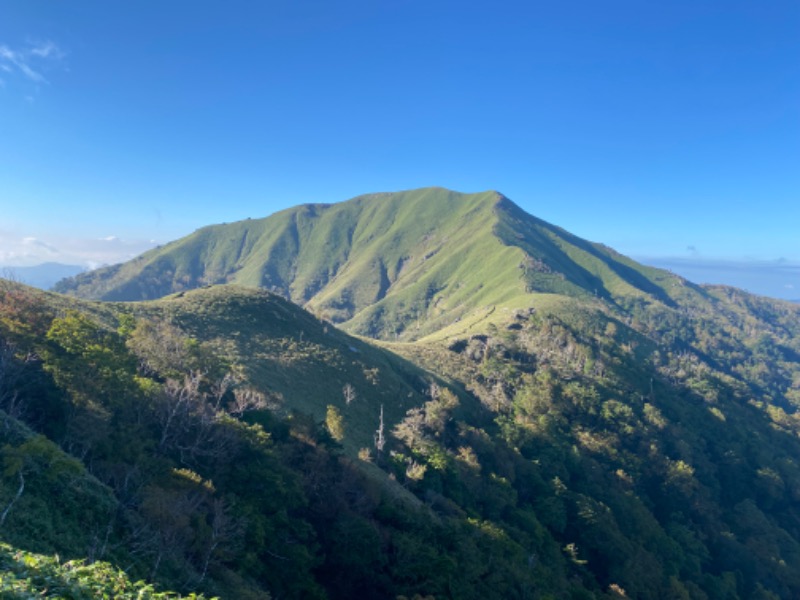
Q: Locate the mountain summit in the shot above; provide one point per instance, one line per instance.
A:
(389, 265)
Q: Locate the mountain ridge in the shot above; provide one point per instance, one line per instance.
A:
(387, 265)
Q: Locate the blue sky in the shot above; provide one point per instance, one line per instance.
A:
(669, 131)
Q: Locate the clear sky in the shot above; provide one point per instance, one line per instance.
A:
(667, 130)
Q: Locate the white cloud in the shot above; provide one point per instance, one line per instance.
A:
(17, 59)
(47, 49)
(32, 241)
(30, 60)
(21, 251)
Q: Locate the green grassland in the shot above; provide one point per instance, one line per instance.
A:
(388, 266)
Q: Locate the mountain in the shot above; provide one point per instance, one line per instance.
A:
(388, 266)
(43, 276)
(536, 415)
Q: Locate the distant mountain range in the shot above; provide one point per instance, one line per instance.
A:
(43, 276)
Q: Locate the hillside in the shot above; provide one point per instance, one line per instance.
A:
(304, 363)
(558, 420)
(388, 266)
(573, 449)
(233, 458)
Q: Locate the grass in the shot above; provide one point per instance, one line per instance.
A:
(397, 267)
(303, 362)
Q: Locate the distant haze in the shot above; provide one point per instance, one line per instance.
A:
(42, 276)
(777, 279)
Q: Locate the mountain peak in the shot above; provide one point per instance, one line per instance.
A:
(397, 265)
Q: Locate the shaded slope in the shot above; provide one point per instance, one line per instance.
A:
(658, 428)
(302, 362)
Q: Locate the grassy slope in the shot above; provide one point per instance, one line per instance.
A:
(301, 360)
(389, 266)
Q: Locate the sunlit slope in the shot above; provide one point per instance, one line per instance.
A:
(389, 266)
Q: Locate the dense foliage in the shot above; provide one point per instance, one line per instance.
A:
(597, 430)
(204, 490)
(668, 477)
(26, 575)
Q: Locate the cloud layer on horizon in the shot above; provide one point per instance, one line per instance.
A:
(778, 278)
(26, 251)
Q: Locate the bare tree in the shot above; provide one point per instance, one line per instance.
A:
(175, 406)
(245, 400)
(225, 532)
(220, 388)
(349, 394)
(380, 440)
(191, 421)
(17, 496)
(37, 457)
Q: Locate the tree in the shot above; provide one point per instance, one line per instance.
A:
(246, 399)
(22, 312)
(89, 362)
(35, 456)
(349, 393)
(335, 423)
(175, 407)
(13, 368)
(162, 348)
(380, 440)
(190, 420)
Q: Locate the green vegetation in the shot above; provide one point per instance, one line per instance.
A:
(26, 575)
(213, 484)
(387, 266)
(542, 418)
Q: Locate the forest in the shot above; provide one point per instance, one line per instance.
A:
(545, 458)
